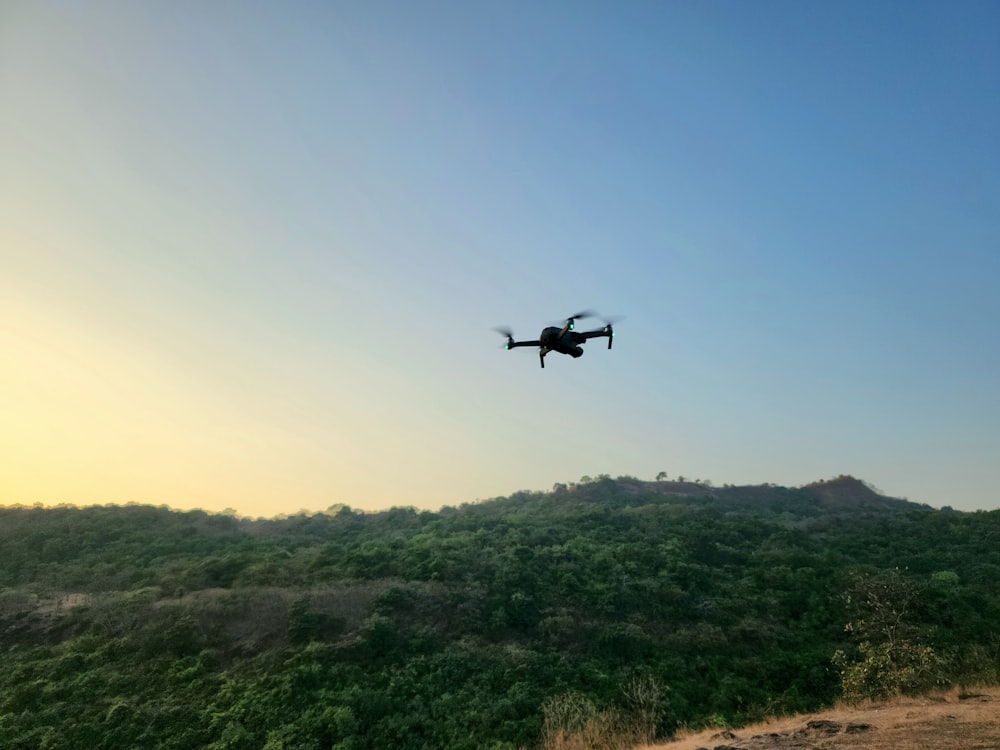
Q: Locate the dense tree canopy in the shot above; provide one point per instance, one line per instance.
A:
(469, 627)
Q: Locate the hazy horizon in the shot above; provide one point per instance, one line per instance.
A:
(571, 484)
(250, 254)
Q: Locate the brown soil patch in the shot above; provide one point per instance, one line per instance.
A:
(958, 720)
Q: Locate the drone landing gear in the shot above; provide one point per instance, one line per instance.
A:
(541, 357)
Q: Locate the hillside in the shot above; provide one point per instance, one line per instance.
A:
(958, 720)
(668, 604)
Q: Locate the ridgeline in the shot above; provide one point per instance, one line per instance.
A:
(510, 623)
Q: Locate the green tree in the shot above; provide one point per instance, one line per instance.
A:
(891, 659)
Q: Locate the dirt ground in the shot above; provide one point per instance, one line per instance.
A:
(958, 720)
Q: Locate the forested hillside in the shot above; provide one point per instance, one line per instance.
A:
(487, 625)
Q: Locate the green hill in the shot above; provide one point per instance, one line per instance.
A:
(659, 603)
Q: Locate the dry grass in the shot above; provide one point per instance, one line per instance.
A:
(956, 720)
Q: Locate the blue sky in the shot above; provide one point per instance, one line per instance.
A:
(250, 253)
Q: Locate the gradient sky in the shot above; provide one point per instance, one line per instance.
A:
(251, 252)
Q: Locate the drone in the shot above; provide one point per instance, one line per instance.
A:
(564, 340)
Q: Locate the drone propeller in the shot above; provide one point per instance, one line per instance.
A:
(573, 318)
(569, 323)
(503, 331)
(609, 327)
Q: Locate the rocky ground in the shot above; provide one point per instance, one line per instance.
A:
(959, 720)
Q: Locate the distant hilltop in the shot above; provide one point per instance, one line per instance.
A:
(841, 493)
(845, 491)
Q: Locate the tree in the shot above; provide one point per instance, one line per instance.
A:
(644, 699)
(661, 476)
(891, 659)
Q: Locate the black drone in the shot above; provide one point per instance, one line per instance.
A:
(563, 340)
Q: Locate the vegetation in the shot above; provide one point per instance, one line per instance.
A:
(537, 620)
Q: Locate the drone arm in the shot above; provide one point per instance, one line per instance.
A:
(515, 344)
(606, 331)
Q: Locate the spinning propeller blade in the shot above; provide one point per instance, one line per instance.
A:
(503, 331)
(609, 327)
(570, 321)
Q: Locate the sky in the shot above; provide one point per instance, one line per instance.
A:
(251, 253)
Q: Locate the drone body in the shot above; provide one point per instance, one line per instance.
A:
(563, 340)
